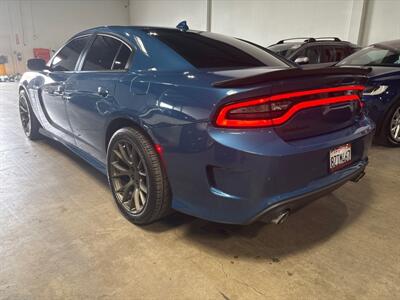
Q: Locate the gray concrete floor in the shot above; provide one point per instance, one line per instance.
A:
(62, 237)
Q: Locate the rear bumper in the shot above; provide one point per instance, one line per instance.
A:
(294, 204)
(235, 176)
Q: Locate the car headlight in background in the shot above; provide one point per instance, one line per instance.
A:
(375, 90)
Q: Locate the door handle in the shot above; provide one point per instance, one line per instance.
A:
(103, 92)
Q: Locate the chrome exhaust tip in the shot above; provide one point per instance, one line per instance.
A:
(282, 217)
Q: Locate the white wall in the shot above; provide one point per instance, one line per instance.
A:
(49, 23)
(382, 21)
(262, 21)
(168, 13)
(266, 22)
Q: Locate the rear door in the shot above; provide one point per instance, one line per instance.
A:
(92, 93)
(52, 95)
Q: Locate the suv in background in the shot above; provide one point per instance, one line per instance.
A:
(314, 50)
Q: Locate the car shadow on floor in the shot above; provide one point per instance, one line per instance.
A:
(308, 227)
(84, 165)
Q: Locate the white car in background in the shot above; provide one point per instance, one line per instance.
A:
(3, 78)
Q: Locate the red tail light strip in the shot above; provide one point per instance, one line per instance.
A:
(222, 119)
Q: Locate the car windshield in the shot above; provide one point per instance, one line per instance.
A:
(374, 56)
(210, 50)
(285, 50)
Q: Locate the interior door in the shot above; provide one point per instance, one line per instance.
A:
(93, 92)
(52, 96)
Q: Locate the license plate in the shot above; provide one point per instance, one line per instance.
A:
(339, 157)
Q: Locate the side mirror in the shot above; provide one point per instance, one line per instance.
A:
(36, 64)
(303, 60)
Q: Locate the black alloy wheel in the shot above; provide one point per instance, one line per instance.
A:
(137, 177)
(129, 176)
(30, 123)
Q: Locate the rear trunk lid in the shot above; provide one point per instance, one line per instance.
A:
(297, 103)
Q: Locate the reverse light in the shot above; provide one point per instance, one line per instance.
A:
(277, 109)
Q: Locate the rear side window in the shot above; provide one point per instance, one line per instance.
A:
(327, 54)
(341, 52)
(121, 60)
(66, 58)
(106, 53)
(209, 50)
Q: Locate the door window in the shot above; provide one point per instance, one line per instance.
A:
(106, 53)
(66, 58)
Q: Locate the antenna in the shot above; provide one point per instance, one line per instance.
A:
(182, 26)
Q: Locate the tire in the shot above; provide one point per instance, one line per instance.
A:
(30, 123)
(391, 121)
(137, 178)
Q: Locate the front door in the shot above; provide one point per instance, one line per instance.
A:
(52, 96)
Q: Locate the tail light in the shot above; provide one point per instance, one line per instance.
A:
(277, 109)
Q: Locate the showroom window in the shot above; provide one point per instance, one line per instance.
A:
(66, 58)
(106, 53)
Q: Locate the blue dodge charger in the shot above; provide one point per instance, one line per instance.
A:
(199, 122)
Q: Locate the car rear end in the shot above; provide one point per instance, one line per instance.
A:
(247, 142)
(281, 141)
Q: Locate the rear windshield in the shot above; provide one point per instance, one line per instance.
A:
(209, 50)
(374, 56)
(285, 50)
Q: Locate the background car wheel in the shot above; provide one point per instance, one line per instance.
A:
(29, 122)
(390, 134)
(137, 177)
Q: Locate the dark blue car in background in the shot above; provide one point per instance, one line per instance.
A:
(382, 95)
(199, 122)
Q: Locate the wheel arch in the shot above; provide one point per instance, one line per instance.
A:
(385, 116)
(22, 87)
(119, 122)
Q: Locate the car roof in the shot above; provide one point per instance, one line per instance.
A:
(310, 40)
(119, 29)
(394, 44)
(151, 52)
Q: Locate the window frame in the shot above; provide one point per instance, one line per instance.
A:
(89, 42)
(128, 66)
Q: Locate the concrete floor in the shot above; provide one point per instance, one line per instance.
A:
(62, 237)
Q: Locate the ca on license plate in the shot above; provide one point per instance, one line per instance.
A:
(339, 157)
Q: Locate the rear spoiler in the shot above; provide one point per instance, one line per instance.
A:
(290, 74)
